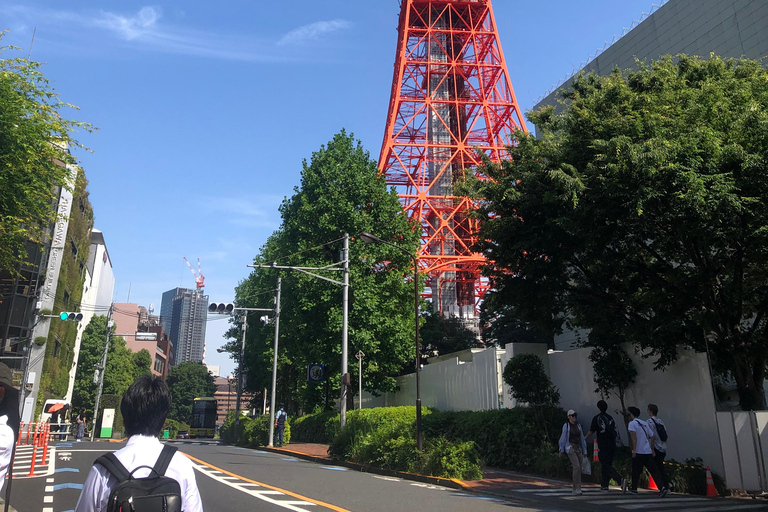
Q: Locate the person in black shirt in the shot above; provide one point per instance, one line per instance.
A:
(604, 427)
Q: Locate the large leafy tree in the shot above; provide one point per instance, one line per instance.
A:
(641, 213)
(341, 192)
(120, 369)
(442, 335)
(34, 140)
(186, 382)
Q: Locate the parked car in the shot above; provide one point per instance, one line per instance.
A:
(182, 434)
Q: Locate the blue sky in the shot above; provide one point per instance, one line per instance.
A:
(206, 111)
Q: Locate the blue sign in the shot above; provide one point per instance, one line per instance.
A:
(316, 373)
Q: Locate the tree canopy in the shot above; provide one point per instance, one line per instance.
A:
(641, 213)
(120, 372)
(186, 382)
(528, 381)
(443, 335)
(340, 192)
(35, 138)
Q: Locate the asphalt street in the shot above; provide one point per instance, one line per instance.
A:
(236, 479)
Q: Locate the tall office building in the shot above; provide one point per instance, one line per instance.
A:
(183, 314)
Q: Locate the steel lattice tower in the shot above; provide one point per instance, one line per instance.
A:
(452, 99)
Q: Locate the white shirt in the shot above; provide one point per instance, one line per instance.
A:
(642, 432)
(7, 438)
(139, 451)
(661, 446)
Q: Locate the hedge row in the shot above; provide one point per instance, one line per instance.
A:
(250, 432)
(520, 439)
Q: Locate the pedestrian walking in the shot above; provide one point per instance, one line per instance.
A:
(604, 428)
(660, 436)
(573, 444)
(143, 462)
(643, 452)
(80, 426)
(280, 418)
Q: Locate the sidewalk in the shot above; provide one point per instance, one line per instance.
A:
(495, 481)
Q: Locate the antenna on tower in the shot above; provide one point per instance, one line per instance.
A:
(199, 277)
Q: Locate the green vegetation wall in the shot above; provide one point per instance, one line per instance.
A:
(60, 347)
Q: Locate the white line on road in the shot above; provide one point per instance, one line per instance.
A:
(260, 494)
(646, 502)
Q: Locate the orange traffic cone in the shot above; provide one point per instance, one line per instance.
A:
(651, 484)
(595, 451)
(711, 491)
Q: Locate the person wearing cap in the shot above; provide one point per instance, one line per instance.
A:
(280, 418)
(573, 444)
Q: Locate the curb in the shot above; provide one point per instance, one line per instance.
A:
(452, 483)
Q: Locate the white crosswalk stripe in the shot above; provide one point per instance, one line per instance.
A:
(650, 501)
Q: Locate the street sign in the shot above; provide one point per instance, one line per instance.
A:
(316, 373)
(146, 336)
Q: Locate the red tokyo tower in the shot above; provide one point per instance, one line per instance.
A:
(452, 101)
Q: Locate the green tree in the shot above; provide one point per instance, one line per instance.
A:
(614, 373)
(119, 372)
(142, 362)
(440, 335)
(34, 139)
(528, 381)
(641, 213)
(341, 192)
(186, 382)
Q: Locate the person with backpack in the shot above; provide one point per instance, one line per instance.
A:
(573, 444)
(604, 427)
(660, 440)
(145, 474)
(643, 452)
(280, 418)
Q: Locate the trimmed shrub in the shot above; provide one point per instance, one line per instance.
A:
(250, 432)
(173, 427)
(316, 428)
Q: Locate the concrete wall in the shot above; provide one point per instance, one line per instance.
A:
(744, 437)
(683, 393)
(450, 385)
(734, 28)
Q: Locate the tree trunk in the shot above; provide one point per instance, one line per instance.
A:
(749, 373)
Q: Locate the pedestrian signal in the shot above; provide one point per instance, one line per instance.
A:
(221, 308)
(70, 316)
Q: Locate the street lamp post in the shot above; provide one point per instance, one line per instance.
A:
(369, 238)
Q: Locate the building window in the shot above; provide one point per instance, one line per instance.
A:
(56, 347)
(73, 246)
(159, 363)
(66, 297)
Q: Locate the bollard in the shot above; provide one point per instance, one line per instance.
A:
(29, 429)
(34, 454)
(46, 438)
(21, 429)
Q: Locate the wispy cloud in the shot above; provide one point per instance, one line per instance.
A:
(257, 211)
(312, 32)
(144, 30)
(131, 27)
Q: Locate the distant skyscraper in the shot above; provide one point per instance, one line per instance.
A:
(183, 315)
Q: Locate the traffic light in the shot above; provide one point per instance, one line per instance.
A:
(70, 316)
(221, 308)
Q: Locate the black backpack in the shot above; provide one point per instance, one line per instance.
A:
(607, 427)
(661, 430)
(155, 493)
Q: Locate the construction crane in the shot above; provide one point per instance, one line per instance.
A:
(199, 277)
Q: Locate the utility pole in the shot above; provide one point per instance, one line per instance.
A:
(360, 355)
(102, 370)
(274, 367)
(240, 368)
(344, 329)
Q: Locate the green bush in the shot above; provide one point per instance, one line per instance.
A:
(506, 438)
(173, 427)
(316, 428)
(250, 432)
(385, 437)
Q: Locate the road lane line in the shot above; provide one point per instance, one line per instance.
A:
(284, 491)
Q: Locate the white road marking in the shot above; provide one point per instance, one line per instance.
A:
(256, 493)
